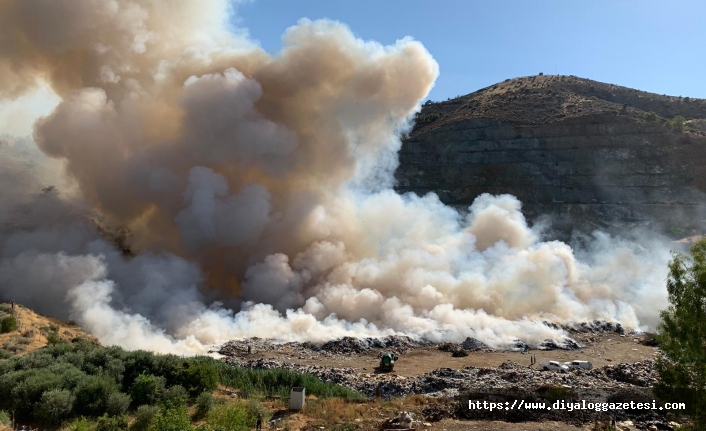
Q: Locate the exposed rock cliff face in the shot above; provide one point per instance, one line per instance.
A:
(603, 166)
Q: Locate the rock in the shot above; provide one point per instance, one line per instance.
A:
(512, 139)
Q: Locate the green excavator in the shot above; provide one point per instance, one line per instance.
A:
(387, 361)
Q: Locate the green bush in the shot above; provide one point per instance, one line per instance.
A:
(117, 404)
(199, 377)
(80, 424)
(5, 418)
(427, 118)
(8, 324)
(174, 417)
(112, 423)
(175, 395)
(147, 389)
(54, 406)
(92, 394)
(230, 417)
(6, 366)
(37, 360)
(651, 117)
(204, 403)
(144, 416)
(136, 363)
(115, 369)
(4, 354)
(29, 387)
(276, 381)
(676, 123)
(77, 359)
(55, 338)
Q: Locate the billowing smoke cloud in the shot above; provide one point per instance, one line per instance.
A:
(257, 190)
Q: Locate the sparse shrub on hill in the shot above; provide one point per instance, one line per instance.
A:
(651, 117)
(8, 324)
(427, 118)
(676, 123)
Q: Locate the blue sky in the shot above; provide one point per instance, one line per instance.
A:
(657, 46)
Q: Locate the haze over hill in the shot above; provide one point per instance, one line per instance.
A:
(595, 154)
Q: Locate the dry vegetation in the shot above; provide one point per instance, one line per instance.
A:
(551, 98)
(35, 331)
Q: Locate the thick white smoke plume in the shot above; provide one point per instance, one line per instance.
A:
(257, 190)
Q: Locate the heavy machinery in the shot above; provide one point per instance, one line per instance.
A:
(387, 361)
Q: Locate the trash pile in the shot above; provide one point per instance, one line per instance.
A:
(448, 382)
(597, 326)
(399, 344)
(348, 345)
(474, 345)
(641, 374)
(565, 344)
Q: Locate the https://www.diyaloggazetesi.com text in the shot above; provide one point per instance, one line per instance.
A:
(571, 406)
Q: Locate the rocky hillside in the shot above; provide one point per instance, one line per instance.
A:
(601, 154)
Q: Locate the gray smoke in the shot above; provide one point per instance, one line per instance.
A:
(257, 190)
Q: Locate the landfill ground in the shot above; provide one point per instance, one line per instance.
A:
(436, 381)
(600, 349)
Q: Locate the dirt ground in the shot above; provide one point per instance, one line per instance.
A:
(600, 349)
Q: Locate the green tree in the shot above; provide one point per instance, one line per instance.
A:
(117, 404)
(147, 389)
(199, 377)
(682, 335)
(54, 406)
(92, 395)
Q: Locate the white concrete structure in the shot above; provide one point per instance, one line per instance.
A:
(297, 398)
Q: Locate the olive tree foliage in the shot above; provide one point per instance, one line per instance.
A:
(682, 335)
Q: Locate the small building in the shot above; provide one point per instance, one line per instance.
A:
(297, 398)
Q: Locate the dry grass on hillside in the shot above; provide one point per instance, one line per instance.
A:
(34, 332)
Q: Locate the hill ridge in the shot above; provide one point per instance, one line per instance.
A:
(542, 99)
